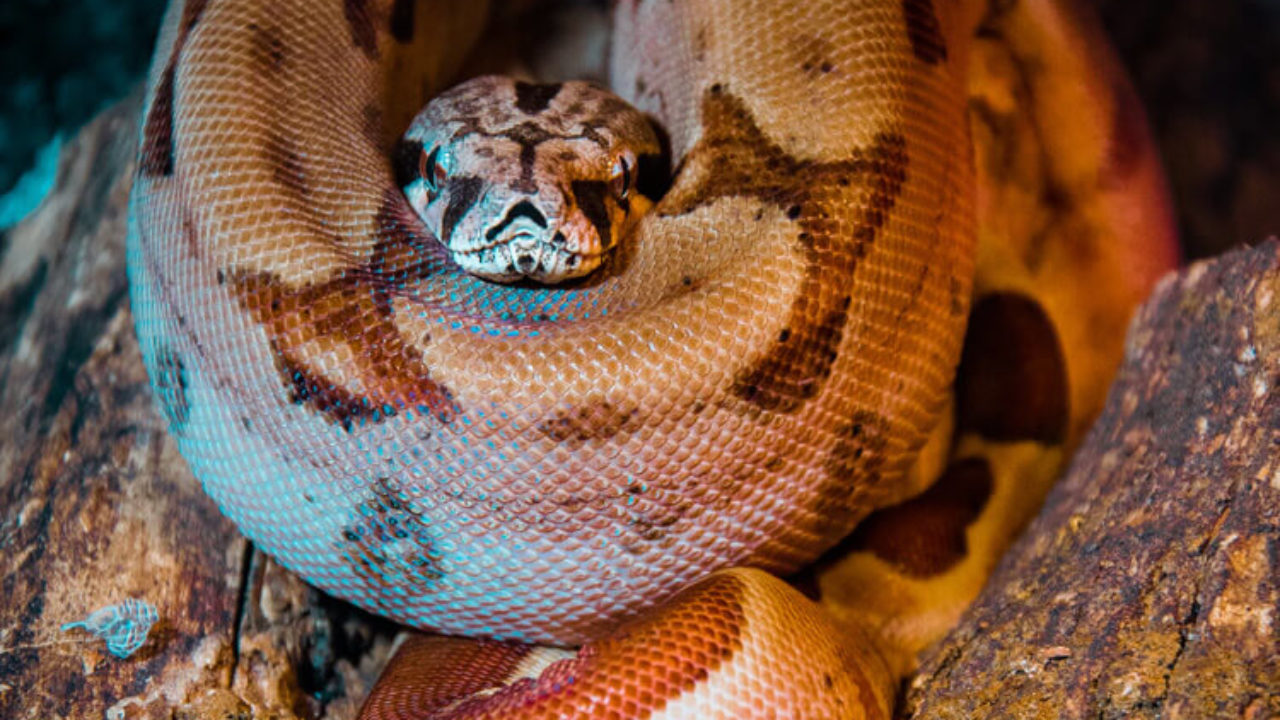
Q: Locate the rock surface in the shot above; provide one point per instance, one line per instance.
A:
(1150, 584)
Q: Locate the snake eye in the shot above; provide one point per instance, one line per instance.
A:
(433, 171)
(620, 177)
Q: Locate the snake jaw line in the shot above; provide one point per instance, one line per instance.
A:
(525, 256)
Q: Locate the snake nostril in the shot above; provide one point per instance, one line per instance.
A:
(559, 240)
(525, 263)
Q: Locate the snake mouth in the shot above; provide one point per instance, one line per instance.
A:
(520, 255)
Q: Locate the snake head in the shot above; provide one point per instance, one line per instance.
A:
(523, 181)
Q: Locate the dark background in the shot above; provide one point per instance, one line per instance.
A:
(1207, 70)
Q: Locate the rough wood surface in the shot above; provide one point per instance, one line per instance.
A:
(97, 506)
(1149, 587)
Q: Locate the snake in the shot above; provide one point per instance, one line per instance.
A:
(581, 378)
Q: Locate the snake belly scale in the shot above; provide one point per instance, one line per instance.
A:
(753, 365)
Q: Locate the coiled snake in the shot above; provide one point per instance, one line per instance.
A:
(744, 372)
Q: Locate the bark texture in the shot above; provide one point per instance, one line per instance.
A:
(96, 505)
(1150, 584)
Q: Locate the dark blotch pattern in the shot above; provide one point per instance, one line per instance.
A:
(1012, 380)
(191, 13)
(402, 23)
(653, 175)
(171, 387)
(700, 44)
(835, 233)
(372, 126)
(533, 98)
(405, 161)
(1128, 143)
(815, 53)
(157, 132)
(925, 536)
(343, 407)
(386, 517)
(591, 198)
(353, 308)
(157, 152)
(529, 136)
(857, 459)
(924, 31)
(463, 193)
(268, 48)
(286, 164)
(360, 22)
(592, 420)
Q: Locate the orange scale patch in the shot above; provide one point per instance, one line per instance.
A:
(924, 31)
(431, 672)
(637, 671)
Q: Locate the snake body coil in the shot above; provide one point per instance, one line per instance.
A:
(756, 367)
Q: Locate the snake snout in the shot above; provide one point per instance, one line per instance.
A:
(524, 232)
(543, 260)
(529, 243)
(511, 219)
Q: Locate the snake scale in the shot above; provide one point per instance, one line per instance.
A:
(761, 352)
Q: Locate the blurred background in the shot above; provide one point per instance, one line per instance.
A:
(1208, 72)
